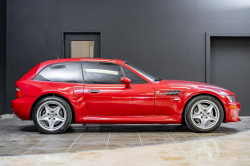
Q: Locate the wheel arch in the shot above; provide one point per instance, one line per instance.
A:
(207, 94)
(53, 94)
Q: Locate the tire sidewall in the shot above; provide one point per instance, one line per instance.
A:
(188, 110)
(66, 107)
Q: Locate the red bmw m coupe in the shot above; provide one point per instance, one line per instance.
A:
(59, 92)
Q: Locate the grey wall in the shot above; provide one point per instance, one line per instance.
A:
(2, 55)
(164, 37)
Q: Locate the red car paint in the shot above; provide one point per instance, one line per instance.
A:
(118, 103)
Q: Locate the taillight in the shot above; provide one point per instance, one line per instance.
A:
(19, 92)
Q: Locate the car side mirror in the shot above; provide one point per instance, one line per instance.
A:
(126, 81)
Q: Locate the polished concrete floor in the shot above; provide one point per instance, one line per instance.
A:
(226, 150)
(22, 138)
(229, 145)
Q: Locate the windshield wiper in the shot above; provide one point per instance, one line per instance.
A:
(158, 79)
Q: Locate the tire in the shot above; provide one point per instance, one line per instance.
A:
(204, 114)
(52, 115)
(183, 123)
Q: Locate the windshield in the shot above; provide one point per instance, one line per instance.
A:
(148, 76)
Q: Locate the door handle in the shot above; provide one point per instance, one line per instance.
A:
(94, 91)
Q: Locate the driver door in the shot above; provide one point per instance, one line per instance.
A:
(106, 95)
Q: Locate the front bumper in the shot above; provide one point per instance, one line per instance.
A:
(232, 112)
(22, 106)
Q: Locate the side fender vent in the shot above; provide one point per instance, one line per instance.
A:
(172, 92)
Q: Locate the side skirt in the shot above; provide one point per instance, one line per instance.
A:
(175, 119)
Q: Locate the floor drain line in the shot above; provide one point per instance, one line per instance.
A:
(140, 138)
(36, 145)
(74, 142)
(108, 142)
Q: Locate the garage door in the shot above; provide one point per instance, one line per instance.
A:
(230, 67)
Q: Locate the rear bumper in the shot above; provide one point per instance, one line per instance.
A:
(232, 112)
(22, 106)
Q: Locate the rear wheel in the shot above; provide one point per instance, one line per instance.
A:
(52, 115)
(204, 114)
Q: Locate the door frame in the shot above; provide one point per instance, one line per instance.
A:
(208, 50)
(79, 32)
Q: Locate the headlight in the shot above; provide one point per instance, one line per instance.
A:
(231, 98)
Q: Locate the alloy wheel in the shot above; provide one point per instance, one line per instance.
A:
(204, 114)
(51, 115)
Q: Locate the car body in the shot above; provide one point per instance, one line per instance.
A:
(150, 102)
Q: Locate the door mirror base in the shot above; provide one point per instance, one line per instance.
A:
(126, 81)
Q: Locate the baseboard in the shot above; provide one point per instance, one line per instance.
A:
(7, 116)
(244, 116)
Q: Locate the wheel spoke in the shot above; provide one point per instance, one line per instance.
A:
(57, 109)
(211, 117)
(196, 116)
(51, 124)
(210, 108)
(200, 107)
(59, 118)
(45, 117)
(203, 122)
(47, 109)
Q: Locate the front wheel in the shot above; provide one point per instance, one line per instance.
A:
(204, 114)
(52, 115)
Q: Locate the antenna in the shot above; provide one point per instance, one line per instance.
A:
(57, 56)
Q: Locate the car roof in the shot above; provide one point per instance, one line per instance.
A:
(81, 59)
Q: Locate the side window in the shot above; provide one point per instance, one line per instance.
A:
(101, 73)
(92, 73)
(112, 73)
(61, 72)
(135, 79)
